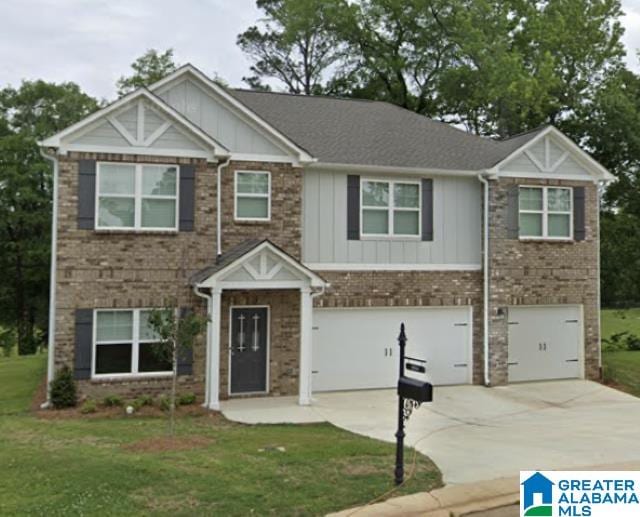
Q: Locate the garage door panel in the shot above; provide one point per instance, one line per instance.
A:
(358, 348)
(544, 343)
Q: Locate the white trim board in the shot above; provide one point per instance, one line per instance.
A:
(331, 266)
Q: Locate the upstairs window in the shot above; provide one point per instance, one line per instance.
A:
(390, 208)
(137, 196)
(546, 213)
(124, 344)
(252, 195)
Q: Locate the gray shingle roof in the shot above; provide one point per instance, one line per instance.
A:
(352, 131)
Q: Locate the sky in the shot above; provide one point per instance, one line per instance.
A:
(93, 42)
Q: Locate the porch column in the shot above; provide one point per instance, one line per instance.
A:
(306, 322)
(214, 363)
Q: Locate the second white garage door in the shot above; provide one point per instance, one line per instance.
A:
(358, 348)
(544, 342)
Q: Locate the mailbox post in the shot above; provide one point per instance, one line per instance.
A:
(411, 393)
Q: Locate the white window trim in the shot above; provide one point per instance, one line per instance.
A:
(545, 215)
(135, 348)
(237, 194)
(390, 209)
(137, 199)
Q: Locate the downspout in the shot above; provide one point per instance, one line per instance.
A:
(207, 377)
(485, 271)
(51, 340)
(221, 165)
(599, 184)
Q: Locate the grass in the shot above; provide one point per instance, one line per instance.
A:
(614, 321)
(621, 368)
(95, 466)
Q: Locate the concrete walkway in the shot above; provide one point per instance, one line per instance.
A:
(475, 433)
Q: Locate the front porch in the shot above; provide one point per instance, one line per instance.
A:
(258, 343)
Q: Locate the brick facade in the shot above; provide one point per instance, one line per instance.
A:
(126, 269)
(541, 273)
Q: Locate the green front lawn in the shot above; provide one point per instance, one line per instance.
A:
(123, 466)
(621, 369)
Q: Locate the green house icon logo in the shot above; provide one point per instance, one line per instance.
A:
(538, 496)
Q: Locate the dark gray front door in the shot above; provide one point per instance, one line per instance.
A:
(248, 349)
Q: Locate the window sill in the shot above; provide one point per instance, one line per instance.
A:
(133, 231)
(392, 238)
(547, 239)
(125, 377)
(251, 222)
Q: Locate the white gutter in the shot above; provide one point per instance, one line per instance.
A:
(221, 166)
(51, 341)
(485, 274)
(207, 376)
(386, 169)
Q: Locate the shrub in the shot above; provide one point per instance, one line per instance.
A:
(113, 401)
(616, 342)
(187, 399)
(633, 343)
(141, 401)
(7, 341)
(63, 389)
(164, 403)
(89, 406)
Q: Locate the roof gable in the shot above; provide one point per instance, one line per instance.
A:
(223, 116)
(138, 123)
(549, 153)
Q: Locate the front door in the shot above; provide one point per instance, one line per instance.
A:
(248, 349)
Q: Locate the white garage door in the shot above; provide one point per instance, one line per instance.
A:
(358, 348)
(544, 343)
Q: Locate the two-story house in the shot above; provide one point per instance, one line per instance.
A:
(308, 228)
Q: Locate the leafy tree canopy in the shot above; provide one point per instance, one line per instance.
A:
(147, 69)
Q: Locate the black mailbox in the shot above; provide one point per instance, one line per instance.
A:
(420, 391)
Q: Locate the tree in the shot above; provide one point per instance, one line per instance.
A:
(293, 45)
(35, 110)
(176, 333)
(522, 64)
(147, 69)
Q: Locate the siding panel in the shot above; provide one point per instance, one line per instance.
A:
(457, 220)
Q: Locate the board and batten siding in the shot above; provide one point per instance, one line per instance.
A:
(457, 226)
(217, 120)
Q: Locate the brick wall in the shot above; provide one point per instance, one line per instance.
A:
(124, 269)
(541, 273)
(285, 227)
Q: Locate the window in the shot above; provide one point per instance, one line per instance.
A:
(137, 196)
(253, 195)
(390, 208)
(546, 212)
(124, 344)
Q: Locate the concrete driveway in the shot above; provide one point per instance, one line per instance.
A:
(475, 433)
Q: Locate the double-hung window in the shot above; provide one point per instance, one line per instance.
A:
(546, 212)
(252, 195)
(137, 196)
(124, 344)
(390, 208)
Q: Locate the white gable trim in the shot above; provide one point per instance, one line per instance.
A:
(597, 171)
(108, 113)
(265, 281)
(237, 107)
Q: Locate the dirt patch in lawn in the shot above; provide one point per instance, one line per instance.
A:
(40, 395)
(169, 443)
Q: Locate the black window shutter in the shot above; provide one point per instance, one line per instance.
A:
(185, 355)
(187, 197)
(513, 212)
(353, 208)
(86, 194)
(579, 230)
(84, 343)
(427, 209)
